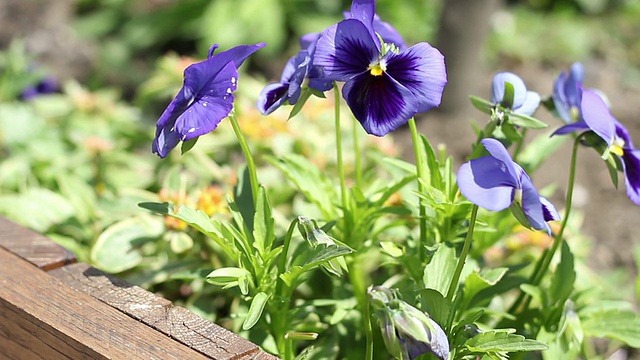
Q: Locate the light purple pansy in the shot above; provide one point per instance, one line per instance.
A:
(206, 97)
(524, 102)
(567, 93)
(597, 118)
(496, 182)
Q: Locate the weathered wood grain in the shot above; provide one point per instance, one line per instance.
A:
(208, 338)
(33, 247)
(41, 317)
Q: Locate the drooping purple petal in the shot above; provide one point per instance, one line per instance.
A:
(530, 104)
(498, 85)
(631, 160)
(569, 128)
(549, 211)
(379, 103)
(486, 183)
(211, 105)
(272, 97)
(531, 204)
(346, 50)
(498, 151)
(165, 140)
(421, 69)
(597, 116)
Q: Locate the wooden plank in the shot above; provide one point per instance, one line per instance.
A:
(33, 247)
(179, 323)
(43, 318)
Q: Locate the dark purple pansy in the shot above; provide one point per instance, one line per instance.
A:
(206, 97)
(384, 86)
(597, 118)
(495, 183)
(524, 102)
(48, 85)
(567, 93)
(364, 10)
(298, 69)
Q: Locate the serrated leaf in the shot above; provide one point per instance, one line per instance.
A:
(502, 341)
(309, 180)
(264, 227)
(439, 272)
(478, 281)
(614, 324)
(255, 310)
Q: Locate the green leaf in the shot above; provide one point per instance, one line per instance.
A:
(540, 149)
(435, 304)
(36, 208)
(477, 281)
(502, 341)
(439, 272)
(525, 121)
(481, 104)
(433, 166)
(188, 145)
(509, 93)
(622, 325)
(179, 241)
(198, 220)
(564, 277)
(255, 310)
(116, 248)
(309, 180)
(229, 277)
(305, 94)
(243, 208)
(263, 231)
(322, 254)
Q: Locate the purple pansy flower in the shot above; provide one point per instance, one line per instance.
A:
(407, 332)
(297, 69)
(524, 102)
(598, 118)
(206, 97)
(567, 93)
(361, 10)
(496, 182)
(48, 85)
(384, 86)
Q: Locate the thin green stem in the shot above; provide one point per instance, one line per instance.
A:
(519, 146)
(420, 172)
(542, 265)
(251, 166)
(358, 281)
(463, 255)
(343, 184)
(356, 152)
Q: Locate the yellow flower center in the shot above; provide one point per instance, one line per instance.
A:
(617, 147)
(377, 69)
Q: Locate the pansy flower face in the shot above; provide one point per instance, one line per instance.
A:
(524, 102)
(496, 182)
(384, 86)
(598, 118)
(205, 98)
(567, 93)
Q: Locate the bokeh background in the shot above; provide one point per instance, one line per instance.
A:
(116, 44)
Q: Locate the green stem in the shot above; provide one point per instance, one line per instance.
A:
(358, 280)
(356, 152)
(343, 184)
(251, 166)
(463, 255)
(542, 265)
(420, 172)
(519, 145)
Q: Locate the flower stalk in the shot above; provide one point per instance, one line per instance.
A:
(251, 166)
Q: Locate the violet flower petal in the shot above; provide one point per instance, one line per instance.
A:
(421, 69)
(597, 116)
(530, 104)
(631, 160)
(498, 85)
(486, 183)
